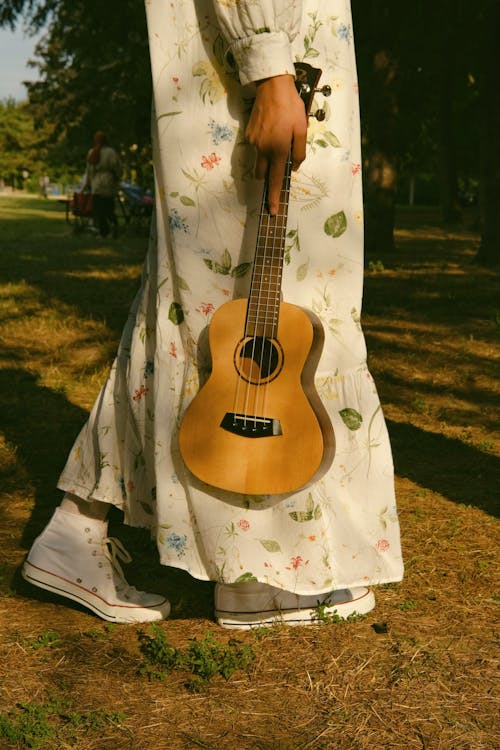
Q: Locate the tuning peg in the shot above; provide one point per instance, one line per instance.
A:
(326, 90)
(320, 115)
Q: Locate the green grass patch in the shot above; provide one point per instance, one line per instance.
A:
(203, 659)
(34, 725)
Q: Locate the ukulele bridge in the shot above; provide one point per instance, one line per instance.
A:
(251, 426)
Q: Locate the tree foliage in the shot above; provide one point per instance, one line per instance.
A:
(22, 146)
(427, 94)
(94, 75)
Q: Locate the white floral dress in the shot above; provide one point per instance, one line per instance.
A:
(343, 530)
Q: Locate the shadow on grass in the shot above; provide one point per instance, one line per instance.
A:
(41, 425)
(97, 277)
(459, 472)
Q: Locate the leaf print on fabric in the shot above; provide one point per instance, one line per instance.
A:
(168, 114)
(356, 318)
(307, 190)
(225, 266)
(336, 224)
(292, 243)
(325, 139)
(176, 314)
(322, 306)
(270, 545)
(302, 271)
(186, 200)
(182, 284)
(147, 508)
(387, 514)
(311, 513)
(211, 87)
(309, 50)
(351, 418)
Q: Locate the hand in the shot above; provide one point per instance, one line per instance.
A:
(277, 123)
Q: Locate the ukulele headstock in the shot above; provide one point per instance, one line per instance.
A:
(306, 82)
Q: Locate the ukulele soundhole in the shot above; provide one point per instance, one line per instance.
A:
(258, 359)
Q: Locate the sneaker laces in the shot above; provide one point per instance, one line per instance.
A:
(114, 551)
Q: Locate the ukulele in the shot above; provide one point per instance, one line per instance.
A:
(257, 426)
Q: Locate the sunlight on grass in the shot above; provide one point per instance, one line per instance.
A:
(421, 670)
(126, 272)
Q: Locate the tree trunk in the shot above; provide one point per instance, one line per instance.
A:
(379, 113)
(488, 253)
(447, 168)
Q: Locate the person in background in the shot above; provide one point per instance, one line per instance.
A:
(102, 177)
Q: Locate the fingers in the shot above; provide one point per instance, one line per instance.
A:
(299, 148)
(261, 166)
(277, 128)
(275, 182)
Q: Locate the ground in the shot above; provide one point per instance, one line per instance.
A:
(417, 672)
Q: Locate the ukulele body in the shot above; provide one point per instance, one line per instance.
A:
(252, 428)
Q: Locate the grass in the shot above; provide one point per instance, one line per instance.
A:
(418, 672)
(202, 659)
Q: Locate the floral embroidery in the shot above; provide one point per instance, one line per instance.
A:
(345, 32)
(210, 161)
(176, 542)
(243, 524)
(176, 222)
(206, 308)
(220, 133)
(140, 392)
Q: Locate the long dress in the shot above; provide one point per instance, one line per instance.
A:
(342, 530)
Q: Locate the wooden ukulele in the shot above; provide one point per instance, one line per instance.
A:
(257, 426)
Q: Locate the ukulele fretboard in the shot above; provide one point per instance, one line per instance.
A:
(265, 289)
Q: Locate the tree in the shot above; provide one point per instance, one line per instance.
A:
(22, 146)
(488, 253)
(95, 75)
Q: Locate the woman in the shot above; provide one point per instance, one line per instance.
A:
(221, 69)
(102, 177)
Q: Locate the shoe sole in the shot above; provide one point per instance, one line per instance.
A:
(247, 620)
(58, 585)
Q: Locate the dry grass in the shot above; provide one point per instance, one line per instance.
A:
(419, 672)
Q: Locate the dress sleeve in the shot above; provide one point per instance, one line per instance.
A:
(260, 35)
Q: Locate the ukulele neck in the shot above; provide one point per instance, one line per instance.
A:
(265, 289)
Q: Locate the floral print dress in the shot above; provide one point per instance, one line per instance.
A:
(343, 530)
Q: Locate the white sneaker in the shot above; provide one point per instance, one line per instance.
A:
(75, 558)
(239, 606)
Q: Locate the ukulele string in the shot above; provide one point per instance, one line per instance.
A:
(251, 323)
(275, 273)
(263, 301)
